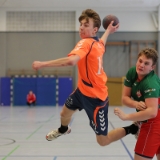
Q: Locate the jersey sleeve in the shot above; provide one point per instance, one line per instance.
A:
(81, 49)
(130, 77)
(151, 90)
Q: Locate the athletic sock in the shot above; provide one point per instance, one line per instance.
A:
(131, 129)
(63, 129)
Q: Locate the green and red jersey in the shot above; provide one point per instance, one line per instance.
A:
(148, 87)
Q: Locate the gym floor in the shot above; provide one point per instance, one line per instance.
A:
(23, 130)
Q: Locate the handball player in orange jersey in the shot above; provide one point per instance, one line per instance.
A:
(91, 93)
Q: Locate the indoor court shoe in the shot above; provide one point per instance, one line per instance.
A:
(52, 135)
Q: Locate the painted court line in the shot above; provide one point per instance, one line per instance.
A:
(26, 139)
(34, 132)
(49, 118)
(123, 144)
(39, 127)
(10, 152)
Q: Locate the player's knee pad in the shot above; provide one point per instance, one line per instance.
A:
(134, 129)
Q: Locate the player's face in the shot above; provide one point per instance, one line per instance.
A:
(30, 92)
(144, 66)
(87, 29)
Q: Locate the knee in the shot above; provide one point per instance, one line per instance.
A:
(65, 114)
(62, 114)
(103, 141)
(102, 144)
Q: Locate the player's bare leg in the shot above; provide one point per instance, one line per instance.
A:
(112, 136)
(116, 134)
(158, 156)
(66, 115)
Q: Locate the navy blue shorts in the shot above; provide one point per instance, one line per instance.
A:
(96, 109)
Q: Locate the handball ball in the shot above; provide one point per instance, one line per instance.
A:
(107, 20)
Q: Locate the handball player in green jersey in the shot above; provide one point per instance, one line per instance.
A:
(142, 91)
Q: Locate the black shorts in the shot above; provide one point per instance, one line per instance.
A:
(96, 109)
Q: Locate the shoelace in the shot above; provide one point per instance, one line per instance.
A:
(55, 133)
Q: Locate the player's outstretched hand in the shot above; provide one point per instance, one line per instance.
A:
(118, 112)
(36, 65)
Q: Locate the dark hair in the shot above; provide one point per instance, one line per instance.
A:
(89, 13)
(150, 53)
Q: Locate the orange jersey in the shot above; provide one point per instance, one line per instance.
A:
(91, 76)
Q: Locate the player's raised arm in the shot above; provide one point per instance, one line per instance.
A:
(109, 30)
(111, 25)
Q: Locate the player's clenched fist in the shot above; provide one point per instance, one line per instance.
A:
(37, 64)
(120, 114)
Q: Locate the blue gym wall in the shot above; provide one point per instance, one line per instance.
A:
(5, 91)
(49, 91)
